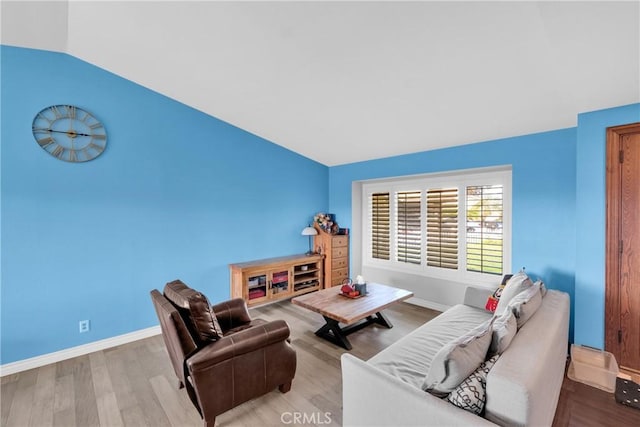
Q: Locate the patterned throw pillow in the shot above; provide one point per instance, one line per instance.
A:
(470, 395)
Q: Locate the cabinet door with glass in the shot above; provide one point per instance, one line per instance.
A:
(257, 286)
(264, 285)
(279, 283)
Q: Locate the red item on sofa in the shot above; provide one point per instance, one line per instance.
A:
(492, 301)
(492, 304)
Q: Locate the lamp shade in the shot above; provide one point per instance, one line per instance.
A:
(309, 231)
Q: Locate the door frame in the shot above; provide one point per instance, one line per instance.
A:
(612, 239)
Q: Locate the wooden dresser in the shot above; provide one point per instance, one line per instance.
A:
(335, 249)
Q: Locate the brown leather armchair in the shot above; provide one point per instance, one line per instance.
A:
(219, 354)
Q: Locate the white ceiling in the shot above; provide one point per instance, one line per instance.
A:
(341, 82)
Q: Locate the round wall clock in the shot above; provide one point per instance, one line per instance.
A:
(69, 133)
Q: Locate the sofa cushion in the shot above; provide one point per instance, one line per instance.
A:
(196, 310)
(516, 284)
(525, 304)
(410, 357)
(504, 329)
(457, 360)
(470, 395)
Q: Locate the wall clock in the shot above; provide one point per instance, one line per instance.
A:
(69, 133)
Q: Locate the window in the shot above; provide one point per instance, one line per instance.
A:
(379, 221)
(453, 225)
(442, 228)
(408, 225)
(484, 229)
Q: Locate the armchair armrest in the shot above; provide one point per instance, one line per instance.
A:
(242, 342)
(231, 313)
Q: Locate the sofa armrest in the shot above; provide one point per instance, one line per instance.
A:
(476, 296)
(524, 385)
(231, 313)
(372, 397)
(242, 342)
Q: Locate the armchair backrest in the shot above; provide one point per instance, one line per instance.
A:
(177, 338)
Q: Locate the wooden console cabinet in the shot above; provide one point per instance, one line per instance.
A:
(335, 248)
(267, 280)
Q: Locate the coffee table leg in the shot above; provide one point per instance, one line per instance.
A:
(331, 331)
(383, 320)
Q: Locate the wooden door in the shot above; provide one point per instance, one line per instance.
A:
(622, 303)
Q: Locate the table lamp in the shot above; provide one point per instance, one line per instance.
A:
(309, 231)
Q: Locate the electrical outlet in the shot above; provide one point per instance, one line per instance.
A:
(84, 326)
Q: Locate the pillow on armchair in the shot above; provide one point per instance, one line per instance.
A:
(196, 310)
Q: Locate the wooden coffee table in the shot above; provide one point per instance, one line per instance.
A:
(355, 313)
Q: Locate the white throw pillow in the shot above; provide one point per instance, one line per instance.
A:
(470, 395)
(504, 329)
(456, 360)
(518, 283)
(525, 304)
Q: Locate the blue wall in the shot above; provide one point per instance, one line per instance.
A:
(543, 205)
(177, 194)
(591, 219)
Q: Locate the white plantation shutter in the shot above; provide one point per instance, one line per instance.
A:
(484, 228)
(379, 223)
(442, 228)
(455, 225)
(408, 230)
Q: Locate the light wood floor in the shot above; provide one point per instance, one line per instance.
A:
(134, 384)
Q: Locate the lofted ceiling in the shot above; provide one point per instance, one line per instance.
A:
(342, 82)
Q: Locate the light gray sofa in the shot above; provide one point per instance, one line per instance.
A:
(522, 388)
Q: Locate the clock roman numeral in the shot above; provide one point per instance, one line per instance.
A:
(95, 125)
(58, 152)
(72, 156)
(71, 112)
(101, 137)
(45, 142)
(41, 130)
(56, 112)
(96, 147)
(43, 117)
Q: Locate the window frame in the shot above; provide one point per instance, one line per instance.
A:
(460, 179)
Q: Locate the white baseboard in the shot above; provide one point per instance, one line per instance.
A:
(69, 353)
(427, 304)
